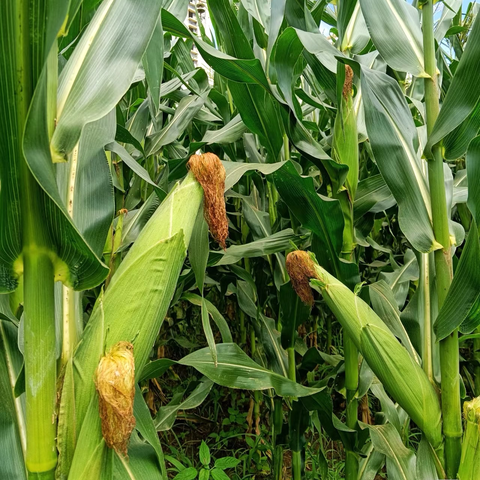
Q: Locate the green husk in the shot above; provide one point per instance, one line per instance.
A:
(470, 461)
(402, 377)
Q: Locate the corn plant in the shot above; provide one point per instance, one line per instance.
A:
(334, 123)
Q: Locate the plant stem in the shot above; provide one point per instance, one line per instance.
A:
(39, 302)
(39, 334)
(296, 455)
(297, 465)
(351, 385)
(449, 355)
(291, 364)
(277, 430)
(425, 313)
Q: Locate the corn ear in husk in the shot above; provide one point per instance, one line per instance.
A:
(470, 461)
(402, 377)
(136, 301)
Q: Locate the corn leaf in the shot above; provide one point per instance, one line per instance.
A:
(293, 313)
(462, 305)
(322, 403)
(217, 317)
(274, 243)
(145, 426)
(120, 29)
(229, 133)
(401, 462)
(142, 462)
(269, 337)
(426, 461)
(372, 195)
(463, 95)
(394, 26)
(153, 63)
(12, 422)
(207, 329)
(187, 108)
(235, 170)
(167, 415)
(394, 141)
(235, 369)
(356, 36)
(386, 308)
(473, 175)
(198, 251)
(239, 68)
(321, 215)
(370, 465)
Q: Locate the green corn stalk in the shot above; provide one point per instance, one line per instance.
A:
(402, 377)
(449, 354)
(470, 460)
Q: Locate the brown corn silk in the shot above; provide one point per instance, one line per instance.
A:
(210, 173)
(115, 382)
(301, 268)
(348, 83)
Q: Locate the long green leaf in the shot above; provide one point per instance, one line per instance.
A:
(102, 67)
(462, 305)
(322, 215)
(230, 133)
(401, 462)
(236, 370)
(235, 171)
(394, 140)
(294, 313)
(463, 95)
(145, 426)
(277, 242)
(239, 68)
(184, 113)
(394, 26)
(372, 195)
(166, 416)
(217, 317)
(12, 426)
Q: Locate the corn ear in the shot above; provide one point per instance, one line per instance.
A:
(345, 137)
(404, 380)
(402, 377)
(134, 305)
(470, 461)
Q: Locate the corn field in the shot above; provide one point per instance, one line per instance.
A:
(239, 239)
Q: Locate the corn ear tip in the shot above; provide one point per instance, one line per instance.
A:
(210, 173)
(115, 384)
(301, 269)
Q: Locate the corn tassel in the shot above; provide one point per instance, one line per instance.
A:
(402, 377)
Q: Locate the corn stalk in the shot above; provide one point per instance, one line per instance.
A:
(449, 355)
